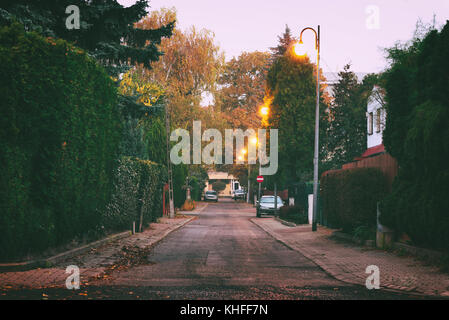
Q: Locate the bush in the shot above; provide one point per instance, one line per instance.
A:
(349, 197)
(296, 214)
(300, 192)
(189, 205)
(59, 135)
(137, 194)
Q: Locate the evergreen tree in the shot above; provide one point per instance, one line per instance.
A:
(106, 31)
(291, 88)
(284, 42)
(346, 129)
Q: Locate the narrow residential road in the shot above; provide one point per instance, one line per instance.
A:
(223, 248)
(220, 255)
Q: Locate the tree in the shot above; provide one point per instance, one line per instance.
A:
(416, 134)
(242, 89)
(284, 43)
(346, 130)
(291, 88)
(106, 31)
(219, 186)
(187, 71)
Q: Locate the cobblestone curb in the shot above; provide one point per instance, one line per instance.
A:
(170, 230)
(48, 262)
(286, 223)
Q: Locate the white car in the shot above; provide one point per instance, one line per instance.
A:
(266, 204)
(239, 194)
(211, 196)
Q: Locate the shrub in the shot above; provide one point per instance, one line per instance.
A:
(137, 194)
(188, 205)
(59, 135)
(349, 197)
(296, 214)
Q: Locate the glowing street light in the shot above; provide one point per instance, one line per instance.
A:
(254, 140)
(264, 111)
(299, 49)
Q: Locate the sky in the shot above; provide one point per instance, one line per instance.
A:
(352, 31)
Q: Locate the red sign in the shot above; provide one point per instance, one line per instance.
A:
(260, 179)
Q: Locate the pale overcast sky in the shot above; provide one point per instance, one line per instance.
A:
(351, 30)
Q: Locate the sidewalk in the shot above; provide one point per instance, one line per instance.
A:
(96, 262)
(347, 262)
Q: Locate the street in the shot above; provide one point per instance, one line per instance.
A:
(220, 255)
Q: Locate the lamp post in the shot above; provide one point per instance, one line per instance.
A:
(244, 152)
(317, 120)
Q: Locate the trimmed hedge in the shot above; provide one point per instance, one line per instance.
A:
(296, 214)
(138, 192)
(59, 136)
(349, 197)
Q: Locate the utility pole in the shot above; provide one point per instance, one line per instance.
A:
(171, 208)
(275, 199)
(249, 182)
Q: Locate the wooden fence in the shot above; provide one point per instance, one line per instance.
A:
(384, 162)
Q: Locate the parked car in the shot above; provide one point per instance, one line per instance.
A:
(211, 196)
(239, 194)
(266, 205)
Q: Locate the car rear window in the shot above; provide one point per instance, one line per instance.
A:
(270, 200)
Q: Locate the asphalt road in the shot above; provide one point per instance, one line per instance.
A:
(220, 255)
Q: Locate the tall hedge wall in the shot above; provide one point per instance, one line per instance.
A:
(349, 197)
(137, 193)
(417, 135)
(59, 135)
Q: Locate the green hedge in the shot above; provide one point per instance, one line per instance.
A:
(137, 192)
(59, 136)
(296, 214)
(349, 197)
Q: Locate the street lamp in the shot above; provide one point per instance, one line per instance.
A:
(298, 49)
(264, 111)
